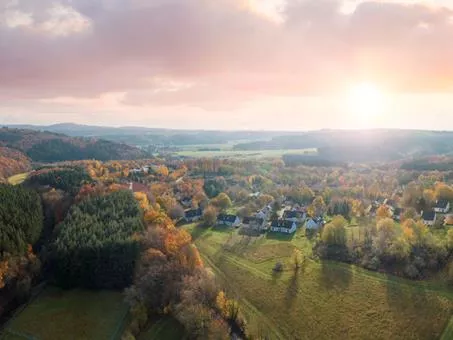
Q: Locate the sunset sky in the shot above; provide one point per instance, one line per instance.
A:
(228, 64)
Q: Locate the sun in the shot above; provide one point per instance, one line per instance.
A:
(366, 101)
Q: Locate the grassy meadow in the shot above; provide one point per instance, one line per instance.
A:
(70, 314)
(322, 300)
(18, 179)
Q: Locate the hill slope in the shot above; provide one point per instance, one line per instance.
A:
(52, 147)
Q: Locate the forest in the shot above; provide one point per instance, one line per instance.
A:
(94, 246)
(51, 147)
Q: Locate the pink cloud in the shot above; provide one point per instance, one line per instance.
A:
(226, 51)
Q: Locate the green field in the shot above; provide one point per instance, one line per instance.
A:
(323, 300)
(18, 179)
(72, 314)
(244, 154)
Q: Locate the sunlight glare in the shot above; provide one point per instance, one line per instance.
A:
(366, 101)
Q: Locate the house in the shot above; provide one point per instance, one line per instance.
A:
(283, 226)
(294, 216)
(193, 215)
(429, 217)
(229, 220)
(442, 207)
(186, 202)
(255, 195)
(253, 223)
(138, 187)
(314, 223)
(397, 212)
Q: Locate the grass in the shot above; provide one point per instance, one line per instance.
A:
(18, 179)
(323, 300)
(73, 314)
(164, 328)
(244, 153)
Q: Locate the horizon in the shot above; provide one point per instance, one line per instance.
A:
(271, 65)
(125, 127)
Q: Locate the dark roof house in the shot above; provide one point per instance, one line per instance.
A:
(429, 216)
(227, 218)
(442, 204)
(193, 213)
(282, 224)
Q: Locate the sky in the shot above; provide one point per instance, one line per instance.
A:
(228, 64)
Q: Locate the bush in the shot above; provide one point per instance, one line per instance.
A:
(411, 271)
(278, 268)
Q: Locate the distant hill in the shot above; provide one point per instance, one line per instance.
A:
(361, 145)
(142, 136)
(52, 147)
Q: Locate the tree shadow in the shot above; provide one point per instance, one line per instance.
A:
(293, 288)
(198, 231)
(279, 236)
(333, 276)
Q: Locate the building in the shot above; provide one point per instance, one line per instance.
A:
(253, 223)
(442, 207)
(193, 215)
(229, 220)
(397, 212)
(294, 216)
(314, 223)
(186, 202)
(138, 187)
(429, 217)
(283, 226)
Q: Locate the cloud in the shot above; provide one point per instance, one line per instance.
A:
(218, 52)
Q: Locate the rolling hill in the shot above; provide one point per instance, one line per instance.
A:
(44, 146)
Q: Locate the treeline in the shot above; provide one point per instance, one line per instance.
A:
(21, 223)
(410, 250)
(66, 179)
(310, 160)
(171, 279)
(52, 147)
(428, 165)
(95, 245)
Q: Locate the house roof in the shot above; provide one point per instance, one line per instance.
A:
(442, 204)
(138, 187)
(227, 218)
(282, 224)
(250, 219)
(193, 213)
(397, 211)
(429, 215)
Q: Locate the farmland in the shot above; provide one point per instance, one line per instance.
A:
(230, 153)
(323, 299)
(75, 314)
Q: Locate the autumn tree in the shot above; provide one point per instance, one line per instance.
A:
(383, 212)
(176, 212)
(222, 201)
(334, 233)
(297, 258)
(444, 191)
(210, 216)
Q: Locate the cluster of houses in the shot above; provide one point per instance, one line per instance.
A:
(442, 207)
(429, 217)
(262, 220)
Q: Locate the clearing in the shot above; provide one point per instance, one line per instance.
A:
(18, 179)
(70, 314)
(323, 300)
